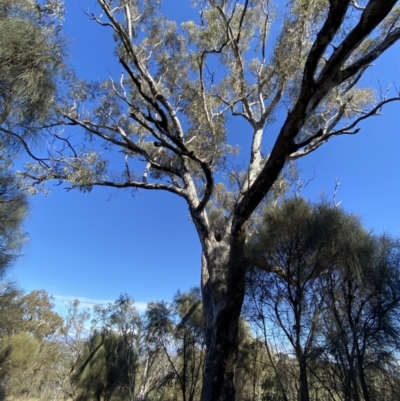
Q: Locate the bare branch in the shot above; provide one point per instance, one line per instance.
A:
(262, 265)
(112, 184)
(40, 160)
(246, 5)
(357, 6)
(238, 58)
(371, 17)
(315, 141)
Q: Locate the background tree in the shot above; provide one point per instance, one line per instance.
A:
(30, 59)
(327, 291)
(362, 330)
(255, 379)
(74, 333)
(101, 368)
(188, 343)
(166, 120)
(177, 329)
(13, 209)
(29, 351)
(122, 358)
(294, 241)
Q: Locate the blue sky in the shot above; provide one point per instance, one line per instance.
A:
(95, 246)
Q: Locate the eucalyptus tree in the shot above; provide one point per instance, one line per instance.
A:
(29, 350)
(122, 323)
(136, 363)
(166, 119)
(73, 334)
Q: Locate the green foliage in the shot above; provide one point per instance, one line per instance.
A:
(156, 355)
(18, 353)
(325, 291)
(30, 356)
(13, 209)
(166, 121)
(122, 358)
(160, 355)
(9, 309)
(189, 339)
(166, 117)
(101, 371)
(37, 315)
(362, 323)
(29, 313)
(31, 58)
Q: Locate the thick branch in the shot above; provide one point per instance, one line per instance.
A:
(334, 20)
(137, 80)
(127, 144)
(310, 96)
(366, 60)
(373, 14)
(144, 74)
(112, 184)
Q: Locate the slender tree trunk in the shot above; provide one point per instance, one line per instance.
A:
(353, 379)
(361, 373)
(304, 391)
(223, 288)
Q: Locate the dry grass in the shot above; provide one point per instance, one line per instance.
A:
(28, 399)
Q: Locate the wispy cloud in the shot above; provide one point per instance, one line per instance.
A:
(64, 300)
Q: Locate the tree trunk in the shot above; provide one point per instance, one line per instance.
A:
(304, 391)
(223, 288)
(354, 384)
(361, 373)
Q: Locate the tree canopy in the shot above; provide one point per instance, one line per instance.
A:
(333, 296)
(30, 59)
